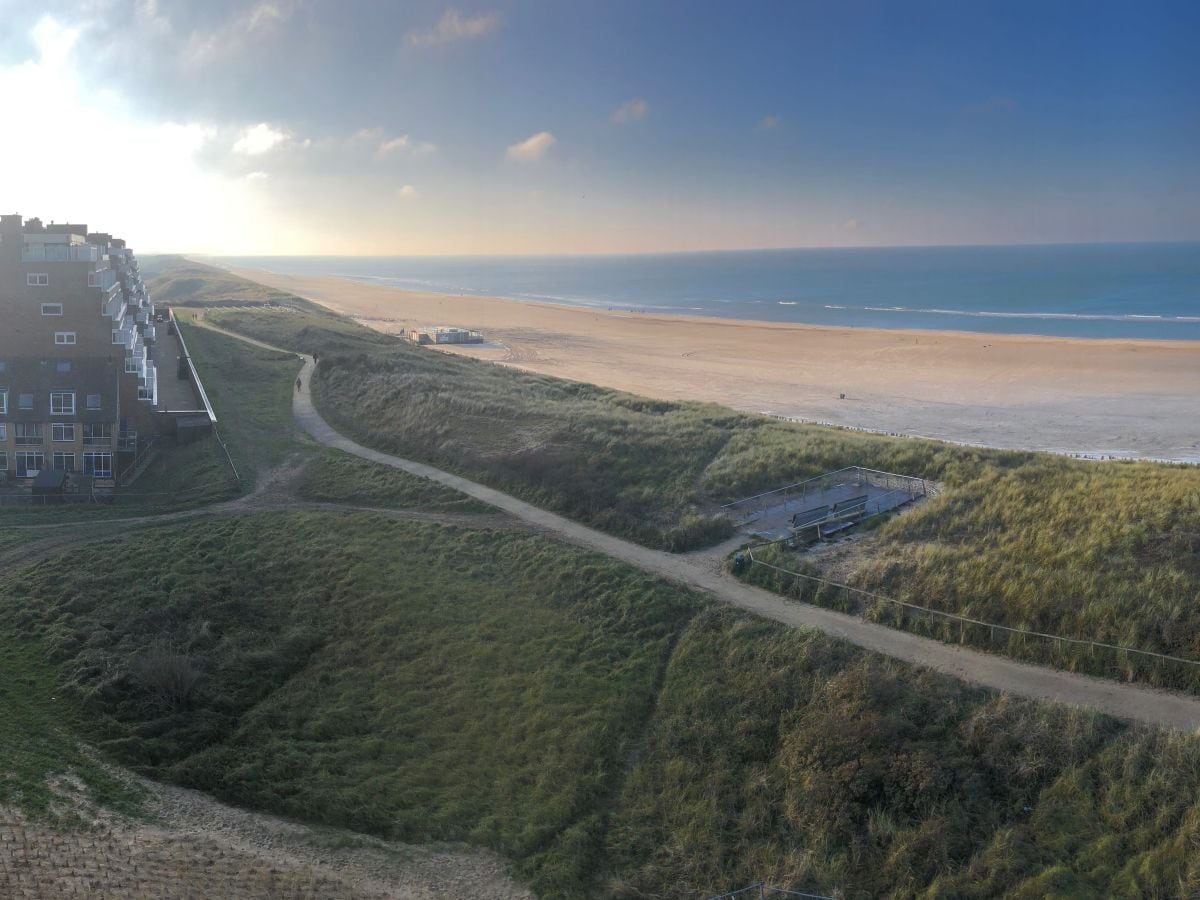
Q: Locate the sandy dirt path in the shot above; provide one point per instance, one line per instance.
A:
(1093, 397)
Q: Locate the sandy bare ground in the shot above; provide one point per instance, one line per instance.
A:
(1119, 398)
(192, 846)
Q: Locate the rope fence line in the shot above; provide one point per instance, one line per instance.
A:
(967, 620)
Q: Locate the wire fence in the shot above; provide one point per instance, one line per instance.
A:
(993, 628)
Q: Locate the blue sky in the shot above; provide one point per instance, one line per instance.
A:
(302, 126)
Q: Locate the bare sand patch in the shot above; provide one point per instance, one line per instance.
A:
(196, 847)
(1092, 397)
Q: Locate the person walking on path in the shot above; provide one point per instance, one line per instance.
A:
(297, 385)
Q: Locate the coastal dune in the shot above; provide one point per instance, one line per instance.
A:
(1122, 398)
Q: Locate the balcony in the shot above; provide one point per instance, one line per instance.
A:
(104, 279)
(60, 253)
(113, 307)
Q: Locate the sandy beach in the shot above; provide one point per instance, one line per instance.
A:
(1091, 397)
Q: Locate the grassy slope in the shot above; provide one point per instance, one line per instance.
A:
(174, 279)
(334, 477)
(1102, 552)
(1109, 553)
(458, 683)
(641, 468)
(38, 740)
(419, 682)
(843, 771)
(429, 682)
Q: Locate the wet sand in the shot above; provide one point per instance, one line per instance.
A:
(1089, 397)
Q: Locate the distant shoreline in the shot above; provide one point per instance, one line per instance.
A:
(1121, 292)
(1088, 397)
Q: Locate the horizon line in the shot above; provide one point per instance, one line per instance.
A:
(690, 252)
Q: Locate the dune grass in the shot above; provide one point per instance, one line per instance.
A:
(418, 682)
(334, 477)
(1104, 553)
(39, 742)
(174, 279)
(613, 736)
(780, 755)
(1099, 551)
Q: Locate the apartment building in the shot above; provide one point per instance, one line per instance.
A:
(78, 382)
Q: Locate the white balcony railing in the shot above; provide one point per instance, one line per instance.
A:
(60, 253)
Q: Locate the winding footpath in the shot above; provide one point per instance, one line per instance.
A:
(1124, 701)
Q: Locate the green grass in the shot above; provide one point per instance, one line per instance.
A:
(335, 477)
(302, 326)
(780, 755)
(611, 735)
(39, 725)
(173, 280)
(1108, 553)
(1099, 551)
(251, 392)
(418, 682)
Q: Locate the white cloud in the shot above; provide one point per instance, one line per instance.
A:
(394, 145)
(236, 33)
(257, 176)
(769, 123)
(176, 205)
(404, 144)
(259, 139)
(454, 27)
(630, 111)
(406, 192)
(532, 148)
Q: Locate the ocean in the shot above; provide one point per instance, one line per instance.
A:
(1149, 291)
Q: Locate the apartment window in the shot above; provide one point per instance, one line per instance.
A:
(51, 309)
(97, 435)
(28, 433)
(132, 366)
(118, 337)
(62, 367)
(3, 403)
(24, 401)
(62, 403)
(62, 431)
(64, 462)
(93, 401)
(29, 463)
(37, 279)
(98, 464)
(3, 464)
(3, 431)
(64, 338)
(93, 279)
